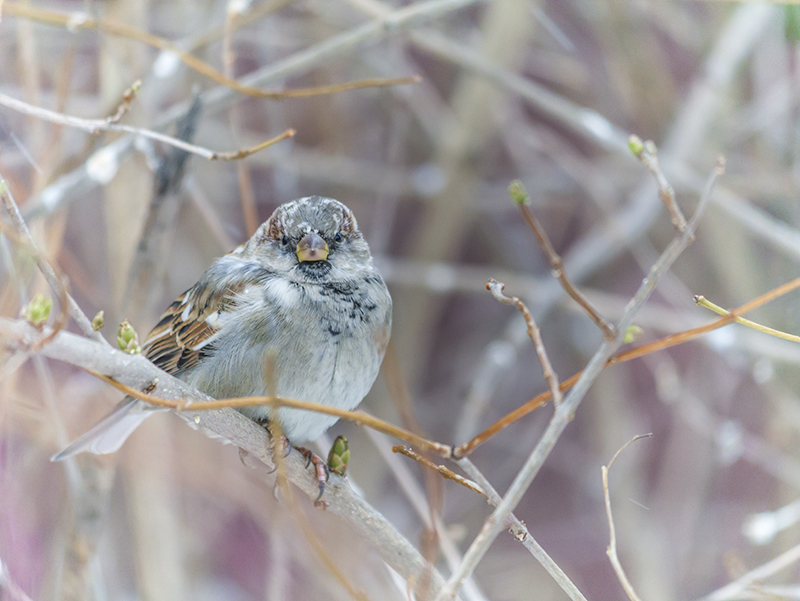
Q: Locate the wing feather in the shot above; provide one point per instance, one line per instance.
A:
(182, 337)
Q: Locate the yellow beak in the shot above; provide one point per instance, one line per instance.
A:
(312, 247)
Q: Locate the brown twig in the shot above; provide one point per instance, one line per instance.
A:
(520, 197)
(246, 152)
(447, 474)
(94, 126)
(496, 288)
(647, 153)
(652, 347)
(235, 428)
(611, 551)
(359, 418)
(299, 517)
(85, 21)
(404, 403)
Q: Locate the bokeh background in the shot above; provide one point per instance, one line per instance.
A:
(545, 92)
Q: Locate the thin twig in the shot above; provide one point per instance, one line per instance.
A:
(417, 497)
(44, 265)
(294, 508)
(496, 288)
(93, 126)
(520, 198)
(647, 153)
(246, 193)
(307, 59)
(246, 152)
(233, 427)
(564, 413)
(85, 21)
(611, 551)
(446, 473)
(652, 347)
(520, 532)
(359, 418)
(704, 302)
(731, 590)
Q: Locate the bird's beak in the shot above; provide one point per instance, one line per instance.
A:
(312, 247)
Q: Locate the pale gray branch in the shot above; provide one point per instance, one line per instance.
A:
(495, 523)
(232, 427)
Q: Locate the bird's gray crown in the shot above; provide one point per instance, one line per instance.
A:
(325, 215)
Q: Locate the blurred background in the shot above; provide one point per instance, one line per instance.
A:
(545, 92)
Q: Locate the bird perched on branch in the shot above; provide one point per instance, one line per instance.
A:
(303, 295)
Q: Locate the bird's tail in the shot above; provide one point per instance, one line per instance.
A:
(111, 432)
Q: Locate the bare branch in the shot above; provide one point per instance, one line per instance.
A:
(520, 532)
(520, 198)
(646, 152)
(442, 470)
(612, 545)
(564, 413)
(360, 418)
(93, 126)
(232, 427)
(735, 588)
(658, 345)
(85, 21)
(496, 288)
(47, 270)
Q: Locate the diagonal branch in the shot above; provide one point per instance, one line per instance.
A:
(564, 413)
(231, 427)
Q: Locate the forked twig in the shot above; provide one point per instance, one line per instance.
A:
(611, 551)
(93, 126)
(520, 197)
(231, 426)
(49, 273)
(565, 412)
(658, 345)
(647, 153)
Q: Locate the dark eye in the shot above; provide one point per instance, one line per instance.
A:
(285, 240)
(338, 237)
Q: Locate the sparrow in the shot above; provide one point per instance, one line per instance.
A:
(303, 295)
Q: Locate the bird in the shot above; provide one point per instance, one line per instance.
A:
(301, 294)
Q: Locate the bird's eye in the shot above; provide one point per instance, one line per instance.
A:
(338, 237)
(285, 240)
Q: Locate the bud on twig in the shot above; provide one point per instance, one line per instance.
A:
(99, 321)
(339, 456)
(518, 193)
(127, 339)
(632, 333)
(37, 311)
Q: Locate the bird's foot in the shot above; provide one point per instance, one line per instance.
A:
(320, 467)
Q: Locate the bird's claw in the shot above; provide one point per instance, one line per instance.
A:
(320, 467)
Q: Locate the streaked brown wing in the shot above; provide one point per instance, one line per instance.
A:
(176, 343)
